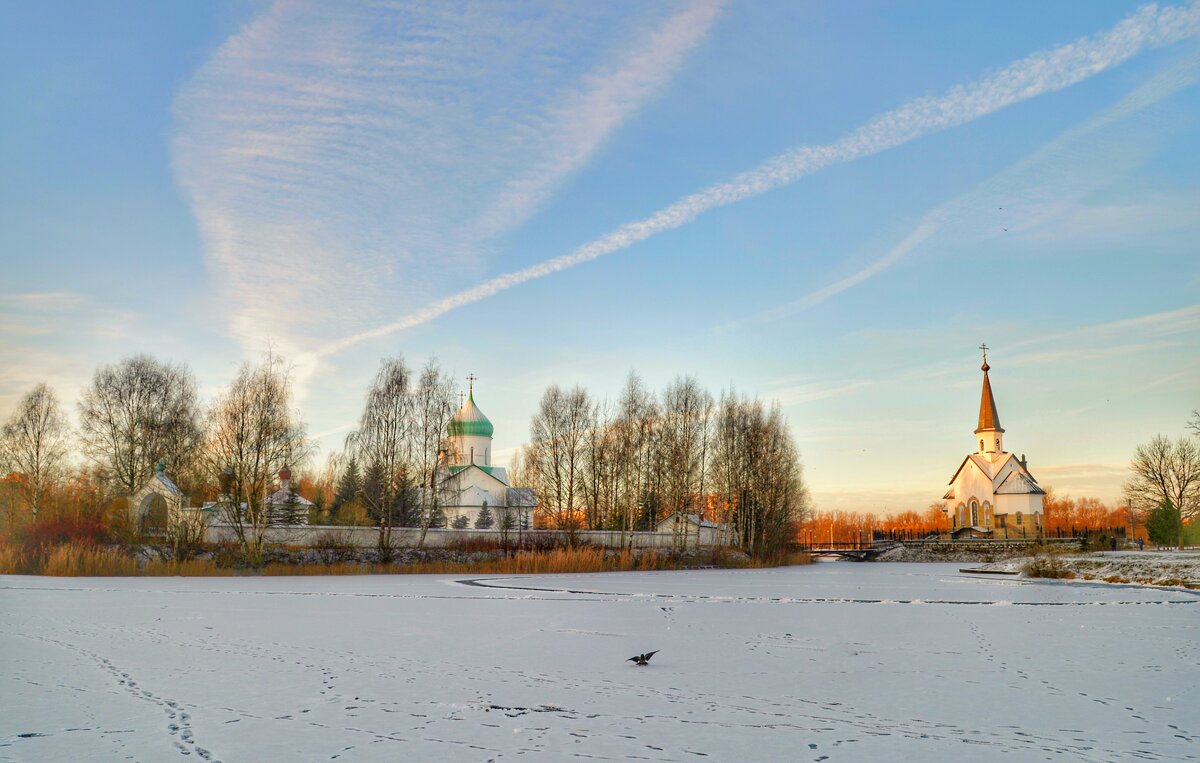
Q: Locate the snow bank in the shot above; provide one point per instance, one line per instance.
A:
(1164, 568)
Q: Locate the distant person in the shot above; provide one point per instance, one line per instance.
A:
(1112, 543)
(1141, 544)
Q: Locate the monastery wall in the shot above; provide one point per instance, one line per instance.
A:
(408, 537)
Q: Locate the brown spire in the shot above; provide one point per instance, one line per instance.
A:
(989, 419)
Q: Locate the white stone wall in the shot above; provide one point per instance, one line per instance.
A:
(368, 537)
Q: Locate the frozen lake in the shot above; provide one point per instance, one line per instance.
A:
(837, 662)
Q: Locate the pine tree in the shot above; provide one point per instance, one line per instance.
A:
(508, 523)
(461, 522)
(437, 519)
(372, 489)
(1162, 524)
(484, 521)
(349, 484)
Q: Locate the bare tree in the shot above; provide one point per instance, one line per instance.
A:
(432, 409)
(136, 413)
(253, 431)
(558, 432)
(686, 415)
(1163, 471)
(33, 442)
(385, 442)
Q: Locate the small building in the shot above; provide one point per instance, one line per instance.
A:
(707, 532)
(993, 494)
(285, 506)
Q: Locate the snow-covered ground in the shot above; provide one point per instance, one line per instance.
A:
(838, 662)
(1175, 568)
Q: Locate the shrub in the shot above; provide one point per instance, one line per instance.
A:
(332, 546)
(1046, 567)
(55, 531)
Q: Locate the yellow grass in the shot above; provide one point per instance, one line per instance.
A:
(79, 560)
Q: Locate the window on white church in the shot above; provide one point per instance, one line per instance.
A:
(1018, 517)
(974, 514)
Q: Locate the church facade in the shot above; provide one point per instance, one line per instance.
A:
(467, 479)
(993, 494)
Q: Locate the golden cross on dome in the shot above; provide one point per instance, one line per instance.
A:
(462, 398)
(984, 347)
(471, 381)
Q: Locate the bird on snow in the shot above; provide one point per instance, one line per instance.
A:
(642, 659)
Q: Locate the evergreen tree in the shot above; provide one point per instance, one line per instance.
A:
(484, 521)
(437, 519)
(349, 484)
(508, 523)
(461, 522)
(372, 489)
(1162, 524)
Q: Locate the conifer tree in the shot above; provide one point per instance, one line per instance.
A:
(437, 518)
(461, 522)
(484, 521)
(349, 484)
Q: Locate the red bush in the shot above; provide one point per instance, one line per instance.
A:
(57, 531)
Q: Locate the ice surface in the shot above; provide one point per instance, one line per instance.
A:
(838, 662)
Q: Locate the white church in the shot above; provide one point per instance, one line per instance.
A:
(467, 478)
(993, 494)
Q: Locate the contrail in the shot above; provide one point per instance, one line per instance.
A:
(1043, 72)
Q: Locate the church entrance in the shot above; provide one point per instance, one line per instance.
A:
(152, 515)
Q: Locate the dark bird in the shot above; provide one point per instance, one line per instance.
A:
(642, 659)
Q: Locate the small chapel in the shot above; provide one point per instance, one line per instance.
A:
(467, 479)
(993, 494)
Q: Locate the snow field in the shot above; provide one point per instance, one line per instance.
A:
(838, 662)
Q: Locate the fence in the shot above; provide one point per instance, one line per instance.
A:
(409, 537)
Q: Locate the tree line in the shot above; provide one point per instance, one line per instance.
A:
(626, 464)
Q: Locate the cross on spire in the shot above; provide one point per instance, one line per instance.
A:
(471, 381)
(462, 398)
(984, 347)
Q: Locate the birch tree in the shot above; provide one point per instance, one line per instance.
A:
(385, 443)
(254, 432)
(556, 455)
(33, 443)
(432, 410)
(139, 412)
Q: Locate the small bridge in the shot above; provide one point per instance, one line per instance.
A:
(859, 551)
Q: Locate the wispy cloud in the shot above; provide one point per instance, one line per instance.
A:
(359, 156)
(50, 313)
(1042, 188)
(1043, 72)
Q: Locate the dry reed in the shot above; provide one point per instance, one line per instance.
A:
(85, 560)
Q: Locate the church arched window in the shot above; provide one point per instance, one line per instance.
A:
(974, 513)
(981, 446)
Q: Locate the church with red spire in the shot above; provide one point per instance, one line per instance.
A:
(993, 494)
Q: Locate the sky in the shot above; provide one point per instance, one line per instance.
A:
(827, 205)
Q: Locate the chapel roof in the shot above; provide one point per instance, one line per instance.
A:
(1019, 483)
(470, 421)
(989, 419)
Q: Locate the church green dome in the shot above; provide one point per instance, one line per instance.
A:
(470, 421)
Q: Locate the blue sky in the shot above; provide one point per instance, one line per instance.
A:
(825, 205)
